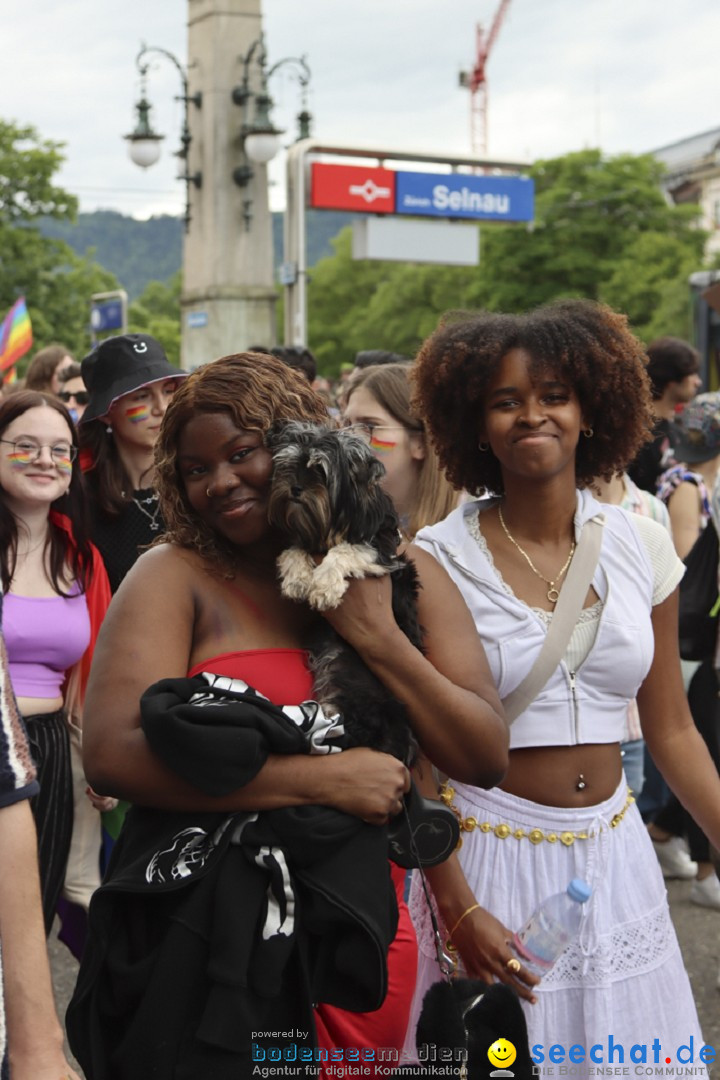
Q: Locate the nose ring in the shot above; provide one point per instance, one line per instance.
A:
(209, 493)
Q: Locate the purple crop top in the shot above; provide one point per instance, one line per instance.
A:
(44, 637)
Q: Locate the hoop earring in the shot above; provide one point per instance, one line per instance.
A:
(588, 433)
(483, 446)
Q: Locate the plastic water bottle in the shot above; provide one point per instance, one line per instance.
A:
(551, 928)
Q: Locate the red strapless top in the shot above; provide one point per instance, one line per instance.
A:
(282, 675)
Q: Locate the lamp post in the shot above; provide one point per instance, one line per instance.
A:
(229, 296)
(259, 137)
(144, 143)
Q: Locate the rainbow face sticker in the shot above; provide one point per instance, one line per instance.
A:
(381, 446)
(20, 459)
(137, 414)
(63, 465)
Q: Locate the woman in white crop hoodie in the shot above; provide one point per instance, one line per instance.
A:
(525, 410)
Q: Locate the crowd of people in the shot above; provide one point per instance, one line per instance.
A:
(224, 876)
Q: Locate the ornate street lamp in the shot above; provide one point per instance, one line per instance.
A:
(261, 140)
(144, 143)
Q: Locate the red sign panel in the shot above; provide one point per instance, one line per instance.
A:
(352, 187)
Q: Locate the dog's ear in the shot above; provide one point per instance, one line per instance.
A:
(274, 436)
(318, 459)
(376, 471)
(361, 458)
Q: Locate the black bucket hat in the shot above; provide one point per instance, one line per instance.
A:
(119, 365)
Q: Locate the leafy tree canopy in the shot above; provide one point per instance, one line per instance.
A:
(157, 312)
(27, 165)
(55, 282)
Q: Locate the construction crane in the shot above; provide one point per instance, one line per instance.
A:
(476, 81)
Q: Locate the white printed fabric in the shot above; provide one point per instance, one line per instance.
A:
(624, 977)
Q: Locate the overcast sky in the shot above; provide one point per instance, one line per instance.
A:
(625, 75)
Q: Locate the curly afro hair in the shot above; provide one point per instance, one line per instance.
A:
(255, 390)
(585, 343)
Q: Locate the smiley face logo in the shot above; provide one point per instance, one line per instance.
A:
(502, 1053)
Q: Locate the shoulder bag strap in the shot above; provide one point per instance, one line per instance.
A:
(566, 614)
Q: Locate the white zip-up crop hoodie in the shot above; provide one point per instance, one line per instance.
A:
(588, 705)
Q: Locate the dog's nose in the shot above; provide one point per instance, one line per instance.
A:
(296, 491)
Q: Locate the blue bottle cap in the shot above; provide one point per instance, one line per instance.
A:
(579, 890)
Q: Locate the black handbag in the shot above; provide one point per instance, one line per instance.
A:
(698, 614)
(424, 833)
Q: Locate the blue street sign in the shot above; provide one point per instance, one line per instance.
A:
(197, 319)
(459, 195)
(106, 315)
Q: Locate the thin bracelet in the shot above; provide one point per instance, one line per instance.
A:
(473, 907)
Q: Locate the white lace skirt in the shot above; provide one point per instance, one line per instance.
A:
(624, 978)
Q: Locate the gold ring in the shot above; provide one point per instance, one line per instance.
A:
(513, 965)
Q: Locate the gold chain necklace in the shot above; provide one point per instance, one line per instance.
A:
(553, 592)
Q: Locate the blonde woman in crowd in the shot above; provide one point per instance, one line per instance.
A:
(378, 408)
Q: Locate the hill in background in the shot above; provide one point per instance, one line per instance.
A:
(138, 252)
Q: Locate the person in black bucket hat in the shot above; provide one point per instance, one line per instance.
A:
(119, 365)
(130, 382)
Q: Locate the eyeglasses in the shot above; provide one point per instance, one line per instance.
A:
(367, 431)
(82, 397)
(27, 451)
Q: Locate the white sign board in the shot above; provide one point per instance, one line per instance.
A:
(409, 240)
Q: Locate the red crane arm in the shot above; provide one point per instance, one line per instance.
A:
(497, 23)
(484, 45)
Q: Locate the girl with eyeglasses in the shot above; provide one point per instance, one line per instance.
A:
(55, 596)
(377, 407)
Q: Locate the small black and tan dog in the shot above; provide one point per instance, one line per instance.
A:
(326, 497)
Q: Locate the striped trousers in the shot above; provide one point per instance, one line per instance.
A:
(52, 807)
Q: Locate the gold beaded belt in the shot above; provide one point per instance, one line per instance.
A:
(535, 836)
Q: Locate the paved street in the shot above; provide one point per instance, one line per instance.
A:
(698, 930)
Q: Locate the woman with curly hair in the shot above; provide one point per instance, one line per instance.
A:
(203, 943)
(531, 408)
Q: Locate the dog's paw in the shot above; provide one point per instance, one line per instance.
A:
(295, 569)
(331, 576)
(352, 561)
(327, 591)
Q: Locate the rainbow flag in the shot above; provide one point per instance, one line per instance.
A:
(15, 338)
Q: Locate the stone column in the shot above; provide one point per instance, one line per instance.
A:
(228, 295)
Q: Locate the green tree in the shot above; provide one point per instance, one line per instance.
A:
(590, 212)
(650, 283)
(157, 312)
(56, 283)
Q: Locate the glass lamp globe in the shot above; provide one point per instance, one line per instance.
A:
(144, 151)
(262, 146)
